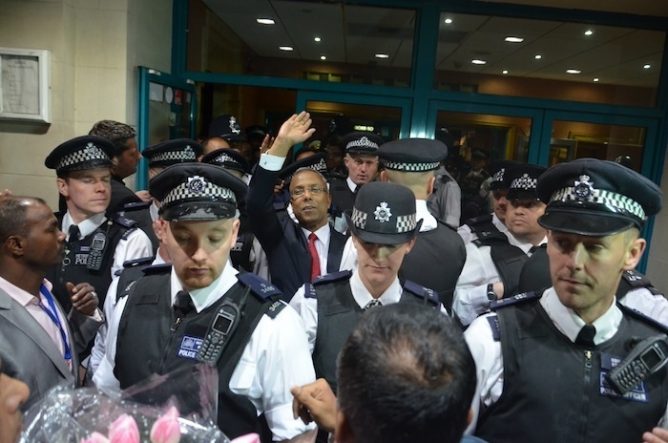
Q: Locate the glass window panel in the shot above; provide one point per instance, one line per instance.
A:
(225, 37)
(553, 60)
(168, 113)
(571, 140)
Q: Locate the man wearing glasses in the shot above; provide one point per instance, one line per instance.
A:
(297, 252)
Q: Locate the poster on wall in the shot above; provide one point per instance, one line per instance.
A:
(24, 85)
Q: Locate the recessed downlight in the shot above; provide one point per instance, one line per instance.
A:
(317, 39)
(537, 56)
(286, 48)
(381, 55)
(477, 61)
(448, 21)
(589, 32)
(514, 39)
(596, 79)
(573, 71)
(265, 21)
(504, 72)
(323, 57)
(647, 66)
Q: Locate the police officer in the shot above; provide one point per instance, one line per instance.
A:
(494, 260)
(247, 252)
(542, 362)
(498, 187)
(201, 309)
(383, 226)
(361, 162)
(411, 163)
(97, 244)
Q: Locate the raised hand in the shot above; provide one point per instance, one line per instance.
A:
(296, 129)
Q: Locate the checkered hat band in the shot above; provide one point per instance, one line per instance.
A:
(358, 218)
(525, 182)
(406, 223)
(209, 192)
(89, 153)
(321, 166)
(224, 158)
(363, 143)
(174, 156)
(611, 200)
(410, 167)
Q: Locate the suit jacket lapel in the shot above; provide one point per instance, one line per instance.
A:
(337, 242)
(17, 315)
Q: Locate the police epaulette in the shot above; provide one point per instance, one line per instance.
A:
(487, 218)
(635, 279)
(259, 286)
(644, 318)
(515, 299)
(157, 269)
(309, 291)
(422, 292)
(334, 276)
(274, 308)
(136, 206)
(124, 221)
(493, 321)
(138, 262)
(486, 236)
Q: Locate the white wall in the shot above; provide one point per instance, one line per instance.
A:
(95, 47)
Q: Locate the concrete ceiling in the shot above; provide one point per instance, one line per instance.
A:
(354, 34)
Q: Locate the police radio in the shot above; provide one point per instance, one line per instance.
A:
(646, 358)
(96, 254)
(223, 326)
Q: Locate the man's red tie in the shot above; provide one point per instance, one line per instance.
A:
(315, 259)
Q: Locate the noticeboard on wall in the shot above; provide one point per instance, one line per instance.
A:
(24, 85)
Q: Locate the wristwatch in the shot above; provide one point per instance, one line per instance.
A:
(491, 295)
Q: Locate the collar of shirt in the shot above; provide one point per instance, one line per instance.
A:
(524, 246)
(499, 224)
(351, 184)
(19, 295)
(569, 324)
(322, 233)
(87, 226)
(362, 296)
(205, 297)
(429, 222)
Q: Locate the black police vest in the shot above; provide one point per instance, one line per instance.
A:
(78, 265)
(508, 259)
(241, 251)
(338, 314)
(481, 223)
(436, 261)
(554, 391)
(151, 341)
(342, 197)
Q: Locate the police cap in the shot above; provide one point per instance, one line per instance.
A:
(384, 213)
(227, 158)
(500, 171)
(412, 154)
(315, 162)
(226, 127)
(522, 180)
(171, 152)
(362, 143)
(196, 192)
(596, 197)
(80, 153)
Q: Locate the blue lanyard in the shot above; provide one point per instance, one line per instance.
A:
(52, 312)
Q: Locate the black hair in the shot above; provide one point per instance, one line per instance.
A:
(116, 132)
(13, 215)
(406, 374)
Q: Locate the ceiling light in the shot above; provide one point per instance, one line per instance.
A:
(537, 56)
(513, 39)
(382, 55)
(505, 71)
(478, 62)
(647, 66)
(317, 39)
(573, 71)
(286, 48)
(448, 21)
(265, 21)
(323, 57)
(589, 32)
(596, 79)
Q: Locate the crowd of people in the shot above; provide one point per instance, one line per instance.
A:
(346, 295)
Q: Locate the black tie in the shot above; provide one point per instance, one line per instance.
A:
(372, 304)
(73, 234)
(586, 336)
(183, 304)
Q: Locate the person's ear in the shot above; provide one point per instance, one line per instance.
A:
(63, 188)
(342, 431)
(15, 244)
(430, 185)
(634, 251)
(383, 176)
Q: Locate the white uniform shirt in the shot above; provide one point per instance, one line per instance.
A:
(489, 360)
(429, 223)
(307, 308)
(135, 245)
(275, 359)
(468, 236)
(470, 299)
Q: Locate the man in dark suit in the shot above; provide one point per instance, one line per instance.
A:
(39, 343)
(296, 252)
